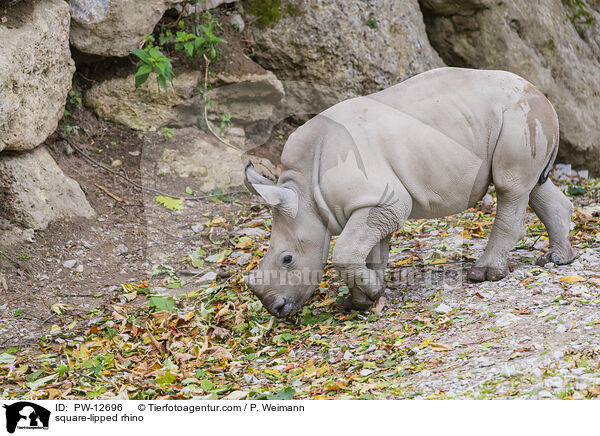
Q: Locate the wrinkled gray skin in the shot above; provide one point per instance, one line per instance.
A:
(425, 148)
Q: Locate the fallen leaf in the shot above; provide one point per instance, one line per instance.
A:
(572, 279)
(170, 203)
(440, 347)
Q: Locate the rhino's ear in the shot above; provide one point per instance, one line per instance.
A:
(284, 199)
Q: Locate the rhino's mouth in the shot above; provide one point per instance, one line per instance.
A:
(281, 307)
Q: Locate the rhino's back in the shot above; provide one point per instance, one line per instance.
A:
(432, 135)
(461, 103)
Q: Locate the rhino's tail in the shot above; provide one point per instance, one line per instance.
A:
(548, 167)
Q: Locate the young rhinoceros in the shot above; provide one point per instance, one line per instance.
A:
(425, 148)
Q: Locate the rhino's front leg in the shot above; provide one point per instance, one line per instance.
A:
(376, 263)
(362, 249)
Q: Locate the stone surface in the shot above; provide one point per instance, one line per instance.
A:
(35, 72)
(352, 47)
(114, 27)
(34, 191)
(196, 159)
(147, 107)
(546, 45)
(246, 97)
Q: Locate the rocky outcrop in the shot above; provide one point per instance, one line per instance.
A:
(352, 47)
(247, 98)
(35, 72)
(144, 108)
(554, 46)
(34, 191)
(114, 27)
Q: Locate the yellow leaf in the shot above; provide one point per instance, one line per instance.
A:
(244, 242)
(55, 328)
(440, 347)
(326, 302)
(404, 261)
(438, 261)
(572, 279)
(425, 343)
(59, 308)
(322, 370)
(336, 386)
(465, 234)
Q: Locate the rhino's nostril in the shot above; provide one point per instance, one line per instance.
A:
(278, 304)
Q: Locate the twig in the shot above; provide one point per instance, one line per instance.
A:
(110, 194)
(206, 109)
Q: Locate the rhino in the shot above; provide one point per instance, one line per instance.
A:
(427, 147)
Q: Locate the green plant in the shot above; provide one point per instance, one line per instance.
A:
(74, 98)
(372, 23)
(167, 132)
(152, 60)
(268, 12)
(202, 42)
(72, 130)
(225, 123)
(580, 16)
(73, 102)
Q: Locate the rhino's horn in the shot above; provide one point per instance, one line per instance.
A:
(252, 176)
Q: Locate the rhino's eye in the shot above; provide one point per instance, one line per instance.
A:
(287, 259)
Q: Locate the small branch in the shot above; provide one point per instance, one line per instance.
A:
(110, 194)
(206, 109)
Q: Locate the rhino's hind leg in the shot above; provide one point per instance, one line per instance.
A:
(509, 228)
(554, 209)
(525, 144)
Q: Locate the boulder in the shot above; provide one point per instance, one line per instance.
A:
(34, 191)
(247, 98)
(196, 159)
(147, 107)
(553, 45)
(114, 27)
(352, 47)
(35, 72)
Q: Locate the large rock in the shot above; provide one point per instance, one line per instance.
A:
(147, 107)
(34, 191)
(247, 98)
(35, 72)
(548, 44)
(352, 47)
(196, 159)
(114, 27)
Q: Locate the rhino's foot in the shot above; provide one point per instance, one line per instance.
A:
(361, 304)
(363, 297)
(483, 273)
(557, 256)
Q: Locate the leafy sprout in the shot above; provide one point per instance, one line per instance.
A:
(152, 60)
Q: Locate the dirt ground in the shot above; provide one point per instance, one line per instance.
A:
(108, 250)
(524, 336)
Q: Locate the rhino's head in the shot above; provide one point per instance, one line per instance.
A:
(293, 265)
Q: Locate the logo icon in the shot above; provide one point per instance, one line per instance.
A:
(26, 415)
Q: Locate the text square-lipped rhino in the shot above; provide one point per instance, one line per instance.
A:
(428, 147)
